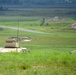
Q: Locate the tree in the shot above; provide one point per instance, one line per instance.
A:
(43, 21)
(3, 8)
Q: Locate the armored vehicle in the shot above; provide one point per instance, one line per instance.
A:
(11, 44)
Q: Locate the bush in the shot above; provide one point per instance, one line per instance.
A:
(1, 28)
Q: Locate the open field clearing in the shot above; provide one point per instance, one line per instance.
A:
(48, 54)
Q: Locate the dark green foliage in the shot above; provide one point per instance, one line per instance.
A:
(3, 8)
(1, 28)
(43, 21)
(41, 3)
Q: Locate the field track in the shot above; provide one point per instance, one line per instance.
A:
(25, 30)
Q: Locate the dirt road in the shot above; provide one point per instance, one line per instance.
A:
(25, 30)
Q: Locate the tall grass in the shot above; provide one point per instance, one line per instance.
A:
(38, 62)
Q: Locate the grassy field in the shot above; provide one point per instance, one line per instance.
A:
(48, 54)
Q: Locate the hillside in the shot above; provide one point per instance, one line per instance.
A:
(39, 3)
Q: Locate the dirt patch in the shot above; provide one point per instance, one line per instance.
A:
(39, 66)
(73, 26)
(57, 18)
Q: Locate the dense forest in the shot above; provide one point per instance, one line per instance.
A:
(40, 3)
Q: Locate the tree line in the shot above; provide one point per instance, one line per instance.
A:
(56, 3)
(3, 8)
(37, 1)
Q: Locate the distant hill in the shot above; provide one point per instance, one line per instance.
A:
(39, 3)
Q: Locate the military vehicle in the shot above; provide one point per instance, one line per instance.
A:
(11, 44)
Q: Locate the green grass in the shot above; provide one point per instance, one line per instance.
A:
(37, 62)
(48, 54)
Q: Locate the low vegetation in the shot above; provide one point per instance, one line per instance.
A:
(48, 53)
